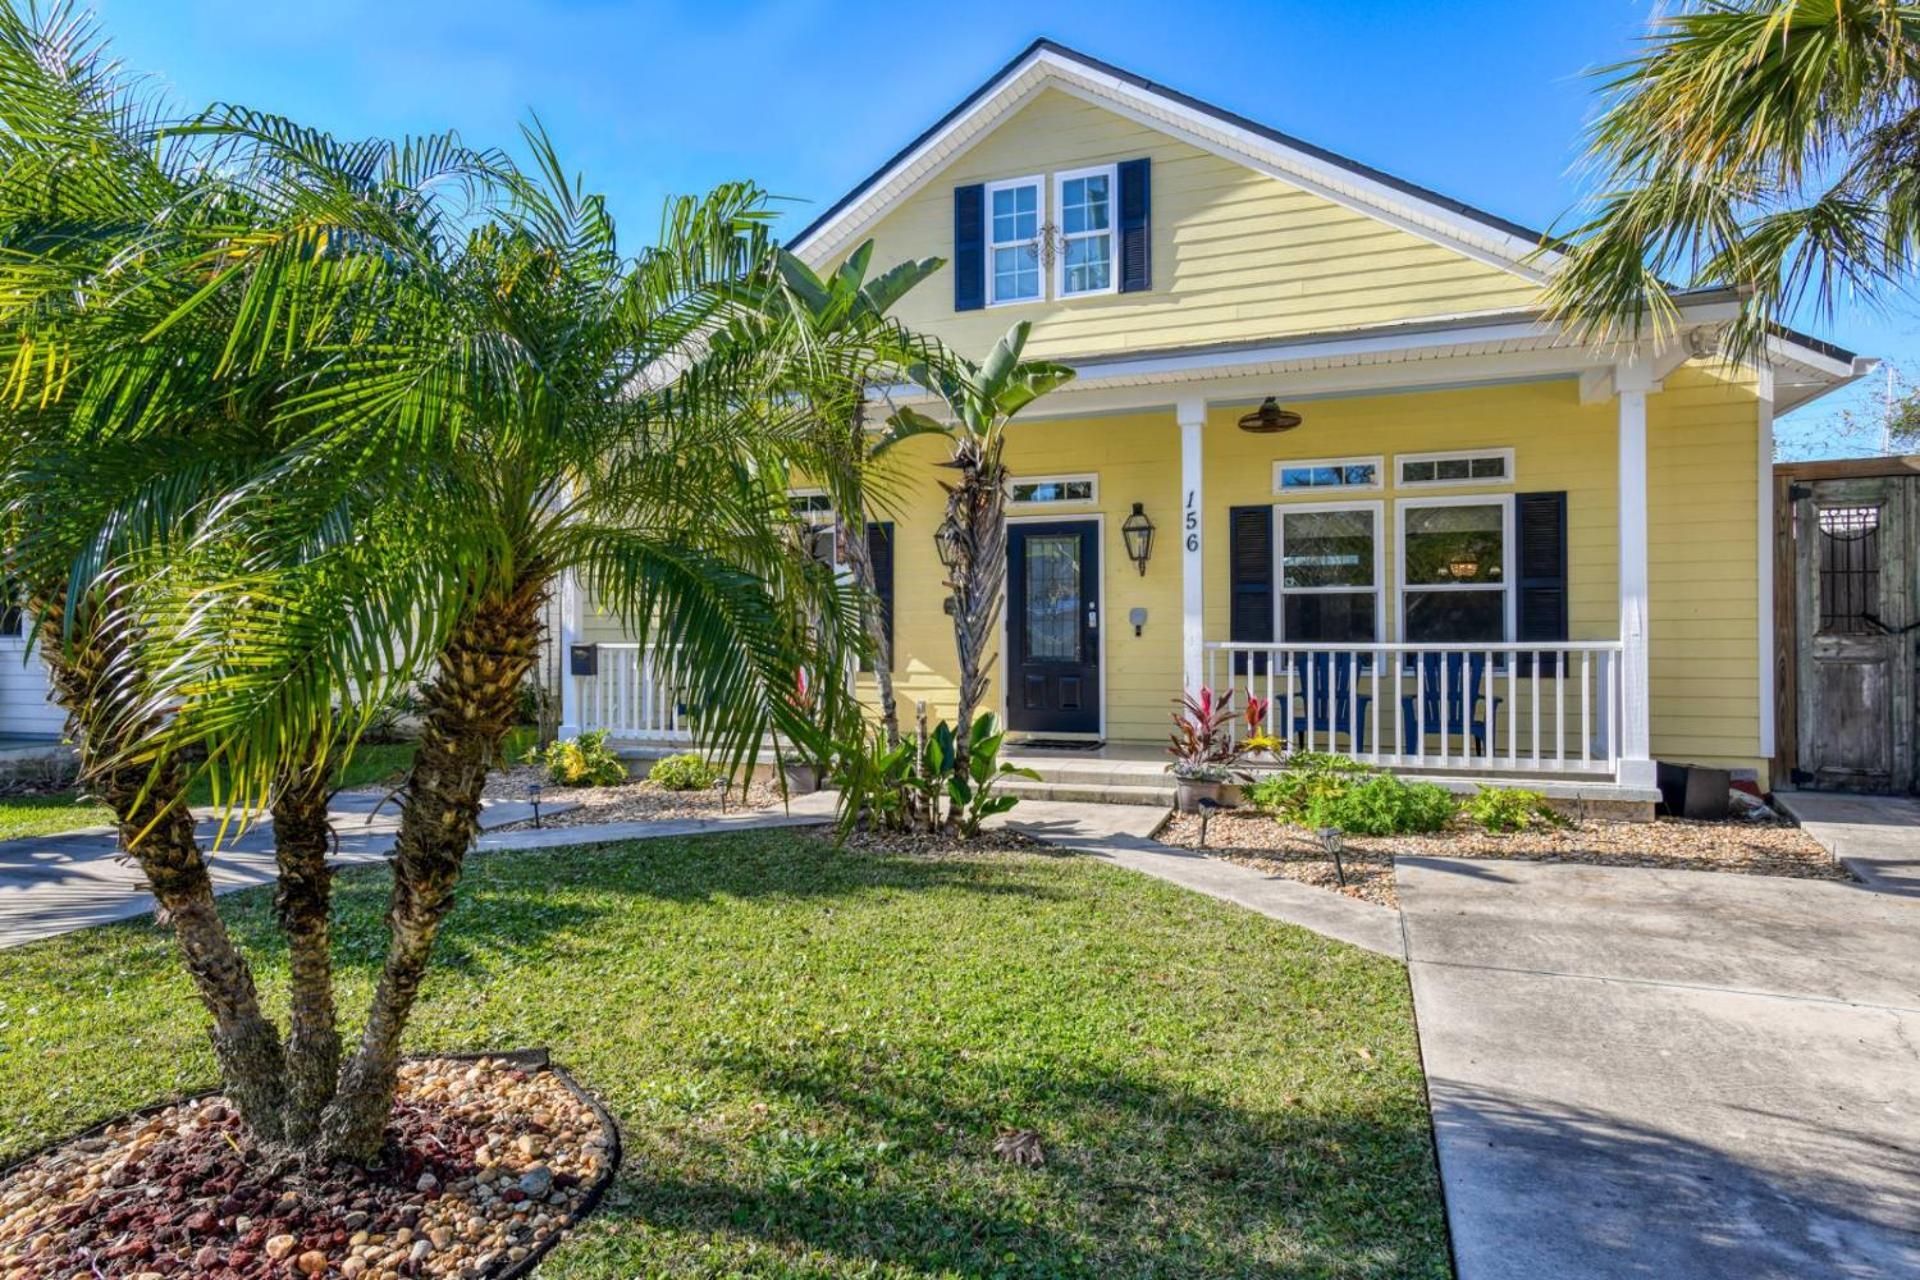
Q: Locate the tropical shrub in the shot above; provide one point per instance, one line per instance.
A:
(1383, 805)
(923, 783)
(684, 772)
(1288, 794)
(1502, 809)
(585, 761)
(1202, 743)
(971, 784)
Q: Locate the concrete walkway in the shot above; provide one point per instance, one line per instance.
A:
(1123, 835)
(1644, 1073)
(56, 884)
(1878, 837)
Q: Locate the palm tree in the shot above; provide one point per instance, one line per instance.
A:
(1769, 145)
(299, 421)
(982, 400)
(531, 403)
(843, 343)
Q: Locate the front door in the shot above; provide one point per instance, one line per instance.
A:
(1053, 627)
(1855, 615)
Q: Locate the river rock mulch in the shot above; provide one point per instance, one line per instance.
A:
(634, 801)
(1741, 846)
(487, 1163)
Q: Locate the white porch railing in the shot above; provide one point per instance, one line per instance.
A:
(632, 696)
(1528, 708)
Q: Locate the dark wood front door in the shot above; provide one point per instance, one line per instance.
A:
(1857, 619)
(1053, 627)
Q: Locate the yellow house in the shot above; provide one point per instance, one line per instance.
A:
(1485, 550)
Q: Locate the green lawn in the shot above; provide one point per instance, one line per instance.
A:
(810, 1054)
(63, 811)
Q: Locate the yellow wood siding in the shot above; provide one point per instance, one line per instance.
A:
(1236, 254)
(1703, 460)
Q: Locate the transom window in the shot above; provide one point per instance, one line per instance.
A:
(1456, 570)
(1085, 200)
(1486, 466)
(1014, 223)
(1045, 491)
(1320, 474)
(1331, 572)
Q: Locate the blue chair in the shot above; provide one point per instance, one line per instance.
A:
(1332, 680)
(1466, 713)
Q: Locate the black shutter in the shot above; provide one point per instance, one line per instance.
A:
(880, 557)
(1250, 562)
(1136, 226)
(1541, 519)
(970, 247)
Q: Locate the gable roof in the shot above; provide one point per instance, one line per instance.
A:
(1048, 64)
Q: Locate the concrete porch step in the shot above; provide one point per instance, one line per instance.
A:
(1091, 792)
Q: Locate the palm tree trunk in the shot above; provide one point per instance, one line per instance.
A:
(302, 839)
(977, 505)
(157, 830)
(469, 708)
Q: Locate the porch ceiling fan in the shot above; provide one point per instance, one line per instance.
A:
(1269, 418)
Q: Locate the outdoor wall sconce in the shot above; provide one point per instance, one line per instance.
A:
(946, 543)
(1138, 617)
(1137, 530)
(1269, 418)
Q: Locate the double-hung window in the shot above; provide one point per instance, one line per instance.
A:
(1085, 199)
(813, 510)
(1015, 218)
(1332, 571)
(1456, 569)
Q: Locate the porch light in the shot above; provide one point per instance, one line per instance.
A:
(533, 794)
(1269, 418)
(1137, 530)
(946, 543)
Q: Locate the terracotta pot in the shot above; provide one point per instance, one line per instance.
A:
(1189, 794)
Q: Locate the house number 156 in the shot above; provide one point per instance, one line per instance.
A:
(1193, 522)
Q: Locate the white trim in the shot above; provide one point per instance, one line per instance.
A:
(1764, 561)
(1280, 465)
(1111, 172)
(572, 620)
(1099, 519)
(1090, 477)
(1400, 460)
(1191, 413)
(1038, 182)
(1377, 508)
(1508, 553)
(1634, 380)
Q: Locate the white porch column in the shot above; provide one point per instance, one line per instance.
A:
(1191, 412)
(1633, 378)
(570, 618)
(1763, 388)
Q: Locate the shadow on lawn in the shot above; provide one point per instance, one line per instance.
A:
(1141, 1179)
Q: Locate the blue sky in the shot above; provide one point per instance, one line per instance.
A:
(1481, 99)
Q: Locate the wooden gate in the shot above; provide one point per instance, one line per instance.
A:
(1847, 605)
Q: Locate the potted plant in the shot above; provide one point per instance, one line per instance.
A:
(1204, 751)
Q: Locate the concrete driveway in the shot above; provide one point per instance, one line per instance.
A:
(1641, 1073)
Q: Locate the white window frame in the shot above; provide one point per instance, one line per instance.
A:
(1112, 234)
(1281, 510)
(1508, 561)
(1038, 182)
(1283, 465)
(1400, 461)
(828, 519)
(1055, 503)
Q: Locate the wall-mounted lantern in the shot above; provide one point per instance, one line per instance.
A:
(1137, 531)
(946, 543)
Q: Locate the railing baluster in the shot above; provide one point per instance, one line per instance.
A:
(1586, 706)
(1534, 696)
(1373, 709)
(1559, 712)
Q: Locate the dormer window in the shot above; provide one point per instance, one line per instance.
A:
(1014, 222)
(1085, 198)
